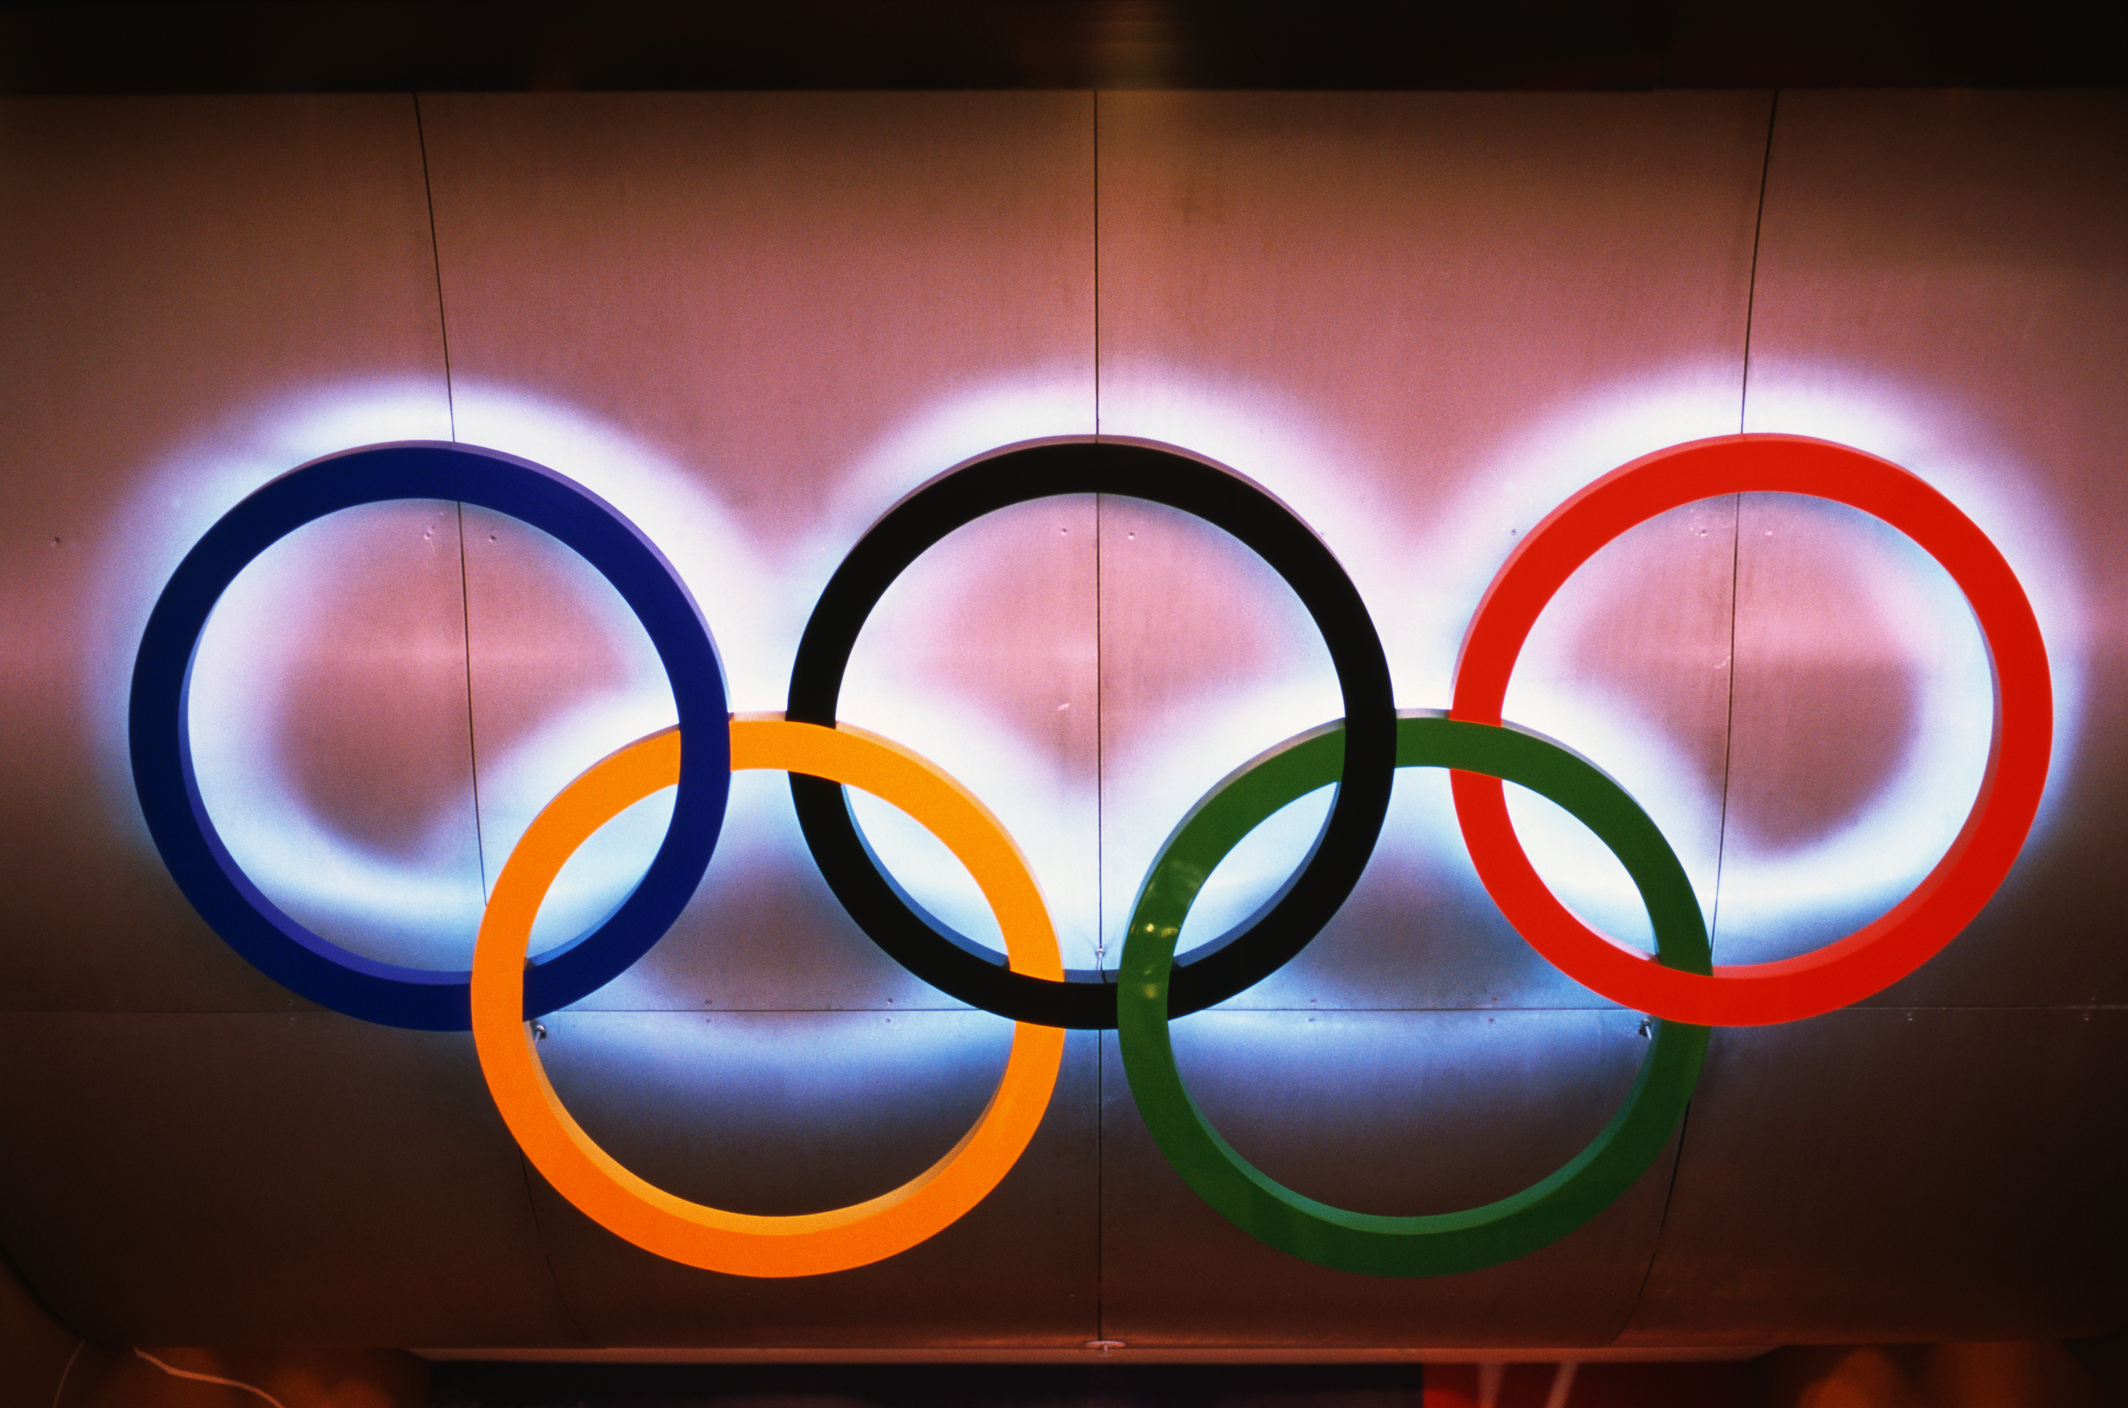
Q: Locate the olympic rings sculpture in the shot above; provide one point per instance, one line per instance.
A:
(1678, 986)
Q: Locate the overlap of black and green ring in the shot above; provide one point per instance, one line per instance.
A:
(1436, 1244)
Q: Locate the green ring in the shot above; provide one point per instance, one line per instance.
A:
(1438, 1244)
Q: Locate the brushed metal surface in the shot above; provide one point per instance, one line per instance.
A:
(981, 659)
(1885, 1175)
(1422, 320)
(767, 287)
(1207, 659)
(1201, 646)
(754, 321)
(1386, 1112)
(1940, 282)
(802, 1111)
(331, 737)
(781, 314)
(195, 295)
(249, 1178)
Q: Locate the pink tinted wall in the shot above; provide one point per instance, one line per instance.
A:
(752, 323)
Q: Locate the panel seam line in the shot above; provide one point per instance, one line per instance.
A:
(1100, 1042)
(465, 593)
(1736, 553)
(1736, 529)
(546, 1255)
(443, 322)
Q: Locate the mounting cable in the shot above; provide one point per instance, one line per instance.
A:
(177, 1373)
(63, 1373)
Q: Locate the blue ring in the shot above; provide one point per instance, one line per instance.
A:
(420, 998)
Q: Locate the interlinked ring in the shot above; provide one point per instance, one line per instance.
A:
(253, 925)
(741, 1243)
(1358, 755)
(1216, 970)
(1433, 1244)
(1912, 931)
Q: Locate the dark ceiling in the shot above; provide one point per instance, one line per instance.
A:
(385, 45)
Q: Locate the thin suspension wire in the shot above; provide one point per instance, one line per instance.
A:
(176, 1373)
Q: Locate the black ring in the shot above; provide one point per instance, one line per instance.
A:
(1252, 949)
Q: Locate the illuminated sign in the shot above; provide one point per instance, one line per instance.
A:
(1359, 754)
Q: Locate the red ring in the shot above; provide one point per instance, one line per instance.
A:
(1879, 953)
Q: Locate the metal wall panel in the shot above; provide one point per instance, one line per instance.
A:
(753, 323)
(1382, 1112)
(331, 738)
(785, 1112)
(198, 295)
(1940, 282)
(1887, 1176)
(1421, 321)
(202, 294)
(261, 1178)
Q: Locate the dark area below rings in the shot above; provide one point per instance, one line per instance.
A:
(1253, 949)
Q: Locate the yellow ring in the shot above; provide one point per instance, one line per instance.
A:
(742, 1243)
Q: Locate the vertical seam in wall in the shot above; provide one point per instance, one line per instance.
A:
(1736, 531)
(465, 620)
(1100, 790)
(465, 607)
(1097, 264)
(1100, 958)
(443, 324)
(1758, 230)
(1662, 1225)
(1736, 545)
(539, 1234)
(465, 595)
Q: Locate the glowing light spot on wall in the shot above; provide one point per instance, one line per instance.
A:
(1422, 573)
(1255, 870)
(410, 895)
(755, 596)
(1402, 1113)
(754, 623)
(180, 498)
(411, 900)
(327, 718)
(1939, 442)
(776, 1113)
(1578, 867)
(947, 431)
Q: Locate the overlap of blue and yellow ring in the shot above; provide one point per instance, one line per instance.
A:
(1359, 754)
